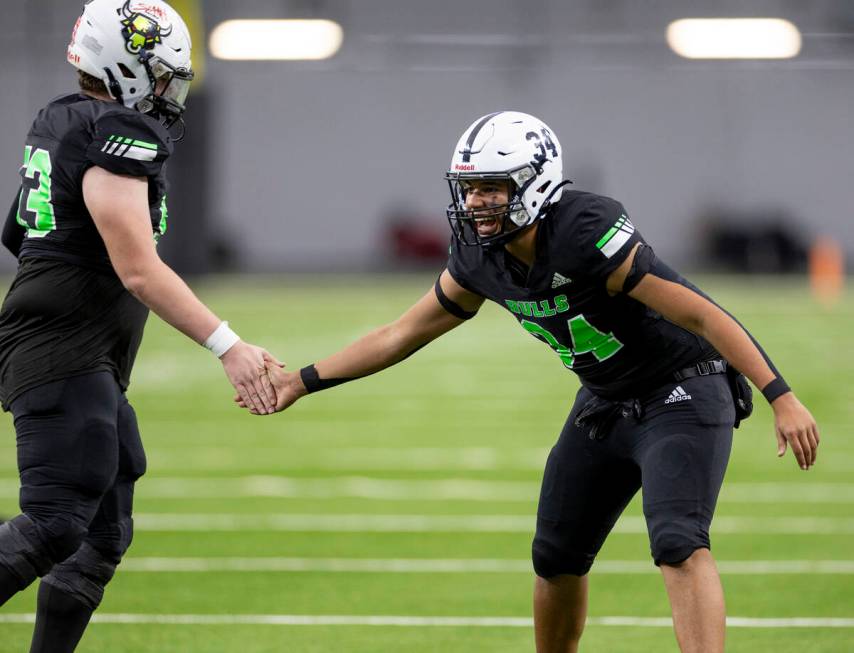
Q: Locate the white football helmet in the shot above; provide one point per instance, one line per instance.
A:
(131, 45)
(508, 146)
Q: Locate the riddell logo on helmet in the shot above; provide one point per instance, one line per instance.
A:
(151, 9)
(464, 166)
(70, 55)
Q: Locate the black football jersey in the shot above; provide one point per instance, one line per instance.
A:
(69, 136)
(616, 345)
(67, 312)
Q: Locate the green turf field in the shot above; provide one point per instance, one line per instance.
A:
(375, 499)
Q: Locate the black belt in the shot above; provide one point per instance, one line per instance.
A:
(599, 414)
(703, 368)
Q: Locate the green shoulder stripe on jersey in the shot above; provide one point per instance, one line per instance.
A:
(150, 146)
(130, 148)
(616, 236)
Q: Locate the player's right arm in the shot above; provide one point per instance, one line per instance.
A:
(119, 207)
(442, 308)
(664, 291)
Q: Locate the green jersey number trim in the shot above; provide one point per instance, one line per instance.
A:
(586, 339)
(164, 216)
(35, 210)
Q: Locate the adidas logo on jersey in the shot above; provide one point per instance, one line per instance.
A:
(677, 395)
(559, 280)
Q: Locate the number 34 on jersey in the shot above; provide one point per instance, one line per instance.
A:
(584, 338)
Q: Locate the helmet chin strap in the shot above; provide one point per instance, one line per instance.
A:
(547, 202)
(114, 87)
(182, 131)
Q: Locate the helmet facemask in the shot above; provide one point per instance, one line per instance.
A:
(513, 215)
(167, 105)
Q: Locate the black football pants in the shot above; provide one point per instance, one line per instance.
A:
(79, 455)
(676, 453)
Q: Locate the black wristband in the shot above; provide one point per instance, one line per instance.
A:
(312, 381)
(774, 389)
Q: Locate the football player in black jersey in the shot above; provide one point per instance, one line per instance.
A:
(660, 367)
(84, 227)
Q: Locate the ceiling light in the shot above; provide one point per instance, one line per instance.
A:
(275, 39)
(734, 38)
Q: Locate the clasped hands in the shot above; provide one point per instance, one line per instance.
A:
(263, 386)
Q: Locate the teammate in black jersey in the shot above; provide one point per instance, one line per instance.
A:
(84, 227)
(658, 400)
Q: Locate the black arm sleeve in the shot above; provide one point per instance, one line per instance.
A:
(658, 268)
(13, 233)
(641, 265)
(450, 305)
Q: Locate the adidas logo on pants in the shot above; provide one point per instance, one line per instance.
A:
(678, 394)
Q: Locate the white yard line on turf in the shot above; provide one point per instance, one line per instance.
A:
(363, 487)
(408, 523)
(371, 620)
(458, 565)
(385, 458)
(357, 487)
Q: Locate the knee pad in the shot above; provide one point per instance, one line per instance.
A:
(551, 559)
(114, 540)
(84, 575)
(22, 551)
(61, 535)
(60, 517)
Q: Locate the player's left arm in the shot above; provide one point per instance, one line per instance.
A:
(651, 282)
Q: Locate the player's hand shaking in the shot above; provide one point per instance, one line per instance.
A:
(795, 427)
(246, 368)
(287, 386)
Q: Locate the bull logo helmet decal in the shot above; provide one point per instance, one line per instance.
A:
(140, 29)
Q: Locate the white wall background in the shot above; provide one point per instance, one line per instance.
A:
(308, 158)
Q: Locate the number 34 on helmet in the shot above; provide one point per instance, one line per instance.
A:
(514, 148)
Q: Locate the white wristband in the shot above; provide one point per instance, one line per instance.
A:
(221, 340)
